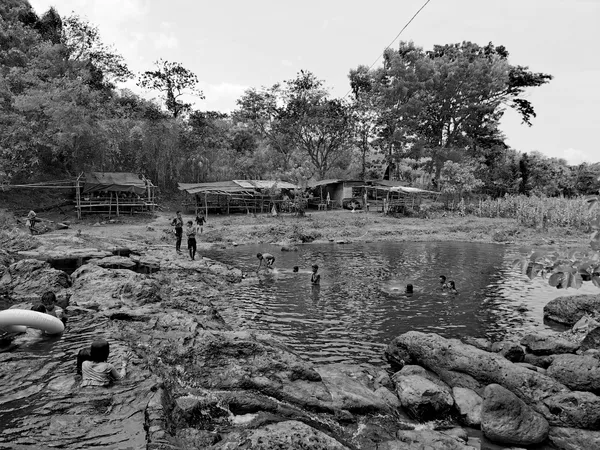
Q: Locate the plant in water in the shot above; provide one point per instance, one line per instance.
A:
(566, 268)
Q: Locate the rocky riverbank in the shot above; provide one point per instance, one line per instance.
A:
(198, 383)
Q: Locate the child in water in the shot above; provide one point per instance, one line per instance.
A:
(267, 258)
(443, 283)
(452, 287)
(48, 300)
(409, 289)
(96, 371)
(315, 278)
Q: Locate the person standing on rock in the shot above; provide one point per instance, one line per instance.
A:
(177, 222)
(191, 231)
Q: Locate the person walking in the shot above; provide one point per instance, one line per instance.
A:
(177, 222)
(191, 231)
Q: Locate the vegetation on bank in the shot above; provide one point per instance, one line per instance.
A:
(425, 117)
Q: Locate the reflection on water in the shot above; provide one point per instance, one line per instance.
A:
(361, 306)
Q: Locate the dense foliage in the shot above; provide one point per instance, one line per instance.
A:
(426, 117)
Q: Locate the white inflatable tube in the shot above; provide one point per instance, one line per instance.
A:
(9, 318)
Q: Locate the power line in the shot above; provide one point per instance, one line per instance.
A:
(394, 40)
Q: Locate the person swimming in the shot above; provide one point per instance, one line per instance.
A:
(452, 287)
(443, 283)
(96, 371)
(295, 269)
(409, 289)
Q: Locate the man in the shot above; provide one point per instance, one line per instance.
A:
(177, 222)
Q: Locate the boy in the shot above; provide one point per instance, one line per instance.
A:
(267, 258)
(315, 278)
(200, 221)
(191, 231)
(177, 222)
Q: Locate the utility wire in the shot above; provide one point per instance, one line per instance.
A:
(397, 36)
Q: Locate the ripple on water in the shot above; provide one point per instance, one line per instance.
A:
(360, 306)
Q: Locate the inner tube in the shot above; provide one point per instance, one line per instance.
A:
(11, 319)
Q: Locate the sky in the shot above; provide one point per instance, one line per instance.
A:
(233, 45)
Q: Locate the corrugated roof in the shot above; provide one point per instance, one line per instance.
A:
(411, 190)
(388, 183)
(217, 187)
(265, 184)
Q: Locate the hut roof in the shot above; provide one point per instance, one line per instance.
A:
(217, 187)
(265, 184)
(115, 182)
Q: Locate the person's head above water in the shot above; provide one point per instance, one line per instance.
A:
(409, 288)
(295, 269)
(442, 279)
(99, 350)
(39, 308)
(48, 298)
(315, 267)
(451, 284)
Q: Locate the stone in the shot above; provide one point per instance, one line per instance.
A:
(354, 388)
(510, 350)
(539, 361)
(28, 279)
(440, 354)
(424, 439)
(480, 343)
(574, 409)
(579, 373)
(591, 341)
(569, 309)
(116, 262)
(290, 434)
(422, 398)
(506, 419)
(573, 438)
(289, 248)
(468, 405)
(548, 344)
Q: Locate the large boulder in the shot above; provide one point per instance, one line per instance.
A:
(440, 355)
(580, 373)
(506, 419)
(289, 434)
(570, 309)
(28, 279)
(422, 398)
(573, 438)
(468, 404)
(591, 341)
(424, 439)
(574, 409)
(359, 388)
(548, 344)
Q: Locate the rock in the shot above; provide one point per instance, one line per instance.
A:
(459, 379)
(28, 279)
(422, 398)
(62, 226)
(548, 344)
(283, 435)
(510, 350)
(506, 419)
(116, 262)
(592, 352)
(440, 355)
(354, 388)
(480, 343)
(289, 248)
(457, 432)
(539, 361)
(424, 439)
(580, 373)
(574, 409)
(574, 439)
(531, 367)
(591, 340)
(570, 309)
(468, 405)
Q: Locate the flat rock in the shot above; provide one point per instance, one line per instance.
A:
(116, 262)
(580, 373)
(468, 404)
(424, 439)
(569, 309)
(574, 439)
(283, 435)
(506, 419)
(548, 344)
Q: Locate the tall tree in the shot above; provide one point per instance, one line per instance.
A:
(175, 82)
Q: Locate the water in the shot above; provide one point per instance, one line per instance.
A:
(360, 306)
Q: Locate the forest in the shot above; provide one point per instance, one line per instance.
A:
(427, 117)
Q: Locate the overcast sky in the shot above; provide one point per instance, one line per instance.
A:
(233, 45)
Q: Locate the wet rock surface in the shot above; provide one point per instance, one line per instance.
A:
(28, 279)
(568, 310)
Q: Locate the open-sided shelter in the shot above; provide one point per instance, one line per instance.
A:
(339, 192)
(118, 192)
(395, 196)
(225, 197)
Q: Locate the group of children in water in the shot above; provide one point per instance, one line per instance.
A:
(269, 260)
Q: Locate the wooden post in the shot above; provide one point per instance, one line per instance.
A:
(110, 205)
(117, 197)
(78, 198)
(205, 207)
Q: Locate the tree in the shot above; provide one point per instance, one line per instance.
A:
(84, 45)
(174, 81)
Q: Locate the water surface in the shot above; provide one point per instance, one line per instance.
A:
(360, 306)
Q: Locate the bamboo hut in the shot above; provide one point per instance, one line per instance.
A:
(113, 193)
